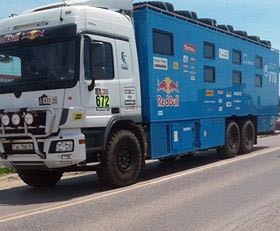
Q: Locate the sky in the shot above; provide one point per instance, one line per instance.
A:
(257, 17)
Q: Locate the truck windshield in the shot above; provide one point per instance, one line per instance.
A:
(37, 65)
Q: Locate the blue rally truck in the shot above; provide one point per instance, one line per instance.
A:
(85, 87)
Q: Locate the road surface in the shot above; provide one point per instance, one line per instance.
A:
(200, 193)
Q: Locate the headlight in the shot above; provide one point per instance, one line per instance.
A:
(5, 120)
(16, 119)
(64, 146)
(29, 119)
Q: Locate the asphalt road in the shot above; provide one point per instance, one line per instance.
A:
(200, 193)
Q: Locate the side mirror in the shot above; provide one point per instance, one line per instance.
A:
(88, 62)
(95, 59)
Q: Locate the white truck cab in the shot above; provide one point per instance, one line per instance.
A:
(68, 74)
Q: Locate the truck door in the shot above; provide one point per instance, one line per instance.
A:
(103, 101)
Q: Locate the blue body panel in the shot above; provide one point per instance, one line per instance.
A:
(189, 114)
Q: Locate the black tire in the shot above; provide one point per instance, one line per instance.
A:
(37, 178)
(121, 162)
(167, 160)
(232, 141)
(248, 136)
(161, 5)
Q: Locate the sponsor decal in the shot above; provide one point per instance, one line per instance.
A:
(175, 65)
(220, 100)
(78, 116)
(272, 77)
(189, 48)
(228, 94)
(220, 92)
(247, 61)
(192, 78)
(160, 63)
(223, 54)
(102, 99)
(34, 34)
(45, 100)
(228, 104)
(209, 93)
(10, 38)
(220, 109)
(193, 60)
(168, 86)
(124, 64)
(237, 93)
(185, 59)
(210, 101)
(129, 95)
(237, 101)
(266, 70)
(160, 113)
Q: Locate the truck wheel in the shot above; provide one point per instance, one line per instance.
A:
(167, 160)
(122, 161)
(36, 178)
(247, 137)
(232, 141)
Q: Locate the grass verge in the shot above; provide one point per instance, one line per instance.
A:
(4, 171)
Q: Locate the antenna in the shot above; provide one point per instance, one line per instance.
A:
(61, 11)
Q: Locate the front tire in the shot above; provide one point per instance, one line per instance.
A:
(122, 160)
(38, 179)
(232, 141)
(248, 136)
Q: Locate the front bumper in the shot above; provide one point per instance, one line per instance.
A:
(42, 158)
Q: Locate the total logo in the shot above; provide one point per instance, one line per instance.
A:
(168, 86)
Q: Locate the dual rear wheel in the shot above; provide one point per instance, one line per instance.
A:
(239, 139)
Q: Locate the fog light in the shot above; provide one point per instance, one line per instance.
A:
(64, 146)
(16, 119)
(29, 119)
(5, 120)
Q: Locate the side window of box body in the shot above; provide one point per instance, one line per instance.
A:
(163, 42)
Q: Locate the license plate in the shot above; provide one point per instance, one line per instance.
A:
(22, 147)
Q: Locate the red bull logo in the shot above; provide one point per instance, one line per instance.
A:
(168, 86)
(31, 35)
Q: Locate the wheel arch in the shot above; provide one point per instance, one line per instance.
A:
(128, 124)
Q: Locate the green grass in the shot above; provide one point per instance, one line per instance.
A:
(4, 171)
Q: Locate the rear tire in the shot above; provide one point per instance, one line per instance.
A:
(232, 141)
(37, 178)
(121, 162)
(248, 136)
